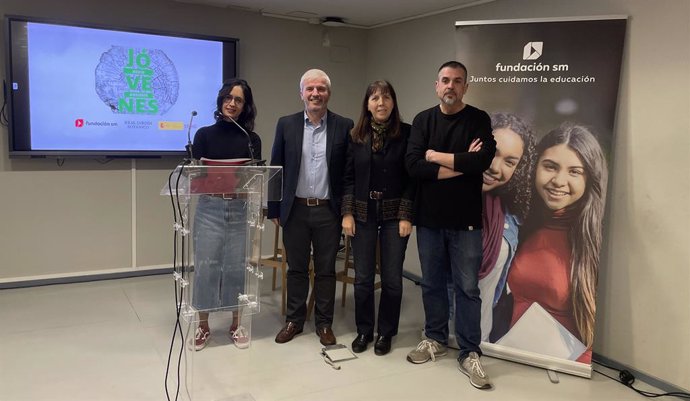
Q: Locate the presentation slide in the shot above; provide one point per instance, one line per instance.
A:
(96, 89)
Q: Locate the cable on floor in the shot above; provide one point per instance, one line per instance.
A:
(626, 378)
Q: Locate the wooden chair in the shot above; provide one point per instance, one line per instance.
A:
(348, 264)
(278, 261)
(310, 303)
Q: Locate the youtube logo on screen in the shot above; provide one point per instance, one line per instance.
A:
(79, 122)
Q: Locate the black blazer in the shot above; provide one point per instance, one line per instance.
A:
(287, 152)
(398, 195)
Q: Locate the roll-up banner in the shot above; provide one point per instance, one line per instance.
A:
(551, 88)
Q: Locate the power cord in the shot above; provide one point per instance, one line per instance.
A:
(626, 378)
(180, 274)
(4, 118)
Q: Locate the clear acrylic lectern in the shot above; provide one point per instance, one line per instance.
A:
(232, 198)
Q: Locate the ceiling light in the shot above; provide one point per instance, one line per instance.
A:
(333, 21)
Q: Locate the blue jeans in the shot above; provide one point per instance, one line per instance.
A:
(220, 248)
(392, 249)
(460, 252)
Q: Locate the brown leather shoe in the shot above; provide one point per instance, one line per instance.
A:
(288, 332)
(326, 335)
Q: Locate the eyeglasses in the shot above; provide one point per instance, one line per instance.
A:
(238, 100)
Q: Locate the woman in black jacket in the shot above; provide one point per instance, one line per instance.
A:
(377, 206)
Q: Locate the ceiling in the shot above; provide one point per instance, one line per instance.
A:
(353, 13)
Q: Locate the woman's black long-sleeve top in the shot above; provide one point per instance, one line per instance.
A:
(398, 189)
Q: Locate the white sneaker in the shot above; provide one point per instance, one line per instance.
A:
(241, 337)
(472, 368)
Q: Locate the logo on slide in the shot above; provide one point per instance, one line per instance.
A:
(79, 122)
(171, 125)
(532, 50)
(139, 81)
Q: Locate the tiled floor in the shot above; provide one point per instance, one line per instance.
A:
(109, 340)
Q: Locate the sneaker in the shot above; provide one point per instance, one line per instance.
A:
(472, 368)
(452, 341)
(201, 337)
(427, 350)
(240, 337)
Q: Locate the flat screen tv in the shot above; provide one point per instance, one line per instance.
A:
(78, 90)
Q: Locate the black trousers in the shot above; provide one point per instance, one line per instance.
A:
(392, 247)
(317, 228)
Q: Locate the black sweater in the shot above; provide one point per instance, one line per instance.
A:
(454, 203)
(392, 179)
(224, 140)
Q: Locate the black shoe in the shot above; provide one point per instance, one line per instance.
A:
(383, 345)
(361, 342)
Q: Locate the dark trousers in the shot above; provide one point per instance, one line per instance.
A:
(460, 252)
(393, 249)
(307, 228)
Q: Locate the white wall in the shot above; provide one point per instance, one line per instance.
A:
(643, 302)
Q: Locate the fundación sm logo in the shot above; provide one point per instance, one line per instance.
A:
(532, 50)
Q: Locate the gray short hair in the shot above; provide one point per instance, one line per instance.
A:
(314, 73)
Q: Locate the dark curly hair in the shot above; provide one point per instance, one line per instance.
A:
(517, 193)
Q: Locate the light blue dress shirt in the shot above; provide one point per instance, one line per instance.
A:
(313, 169)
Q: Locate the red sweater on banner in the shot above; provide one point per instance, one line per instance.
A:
(541, 273)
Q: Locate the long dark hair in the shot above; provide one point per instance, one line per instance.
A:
(248, 115)
(586, 232)
(517, 192)
(362, 129)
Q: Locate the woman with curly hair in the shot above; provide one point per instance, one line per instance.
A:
(558, 260)
(506, 193)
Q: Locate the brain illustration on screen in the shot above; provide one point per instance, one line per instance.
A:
(137, 81)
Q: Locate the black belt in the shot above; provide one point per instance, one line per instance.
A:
(312, 201)
(376, 195)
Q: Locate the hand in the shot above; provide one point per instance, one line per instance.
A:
(475, 146)
(349, 225)
(428, 155)
(404, 228)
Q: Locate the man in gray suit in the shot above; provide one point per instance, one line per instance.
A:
(310, 146)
